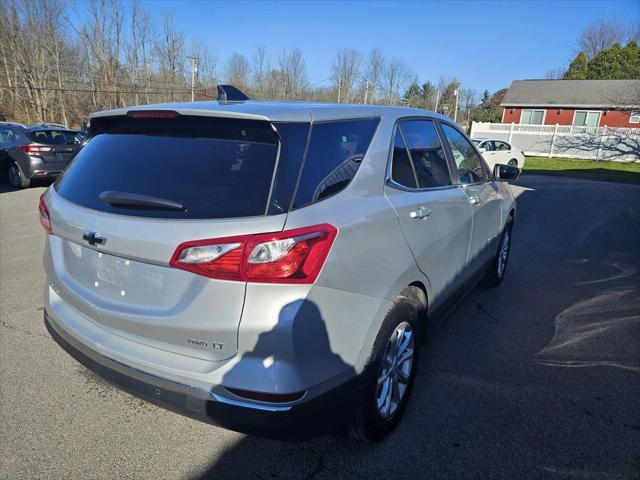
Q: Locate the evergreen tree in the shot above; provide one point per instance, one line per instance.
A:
(428, 95)
(611, 64)
(413, 94)
(578, 69)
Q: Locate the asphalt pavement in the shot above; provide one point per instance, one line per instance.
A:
(539, 378)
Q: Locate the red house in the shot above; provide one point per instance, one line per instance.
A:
(590, 103)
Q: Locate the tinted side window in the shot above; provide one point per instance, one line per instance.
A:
(333, 156)
(293, 141)
(502, 146)
(55, 137)
(7, 136)
(467, 160)
(426, 153)
(401, 169)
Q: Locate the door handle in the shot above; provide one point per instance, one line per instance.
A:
(474, 199)
(420, 212)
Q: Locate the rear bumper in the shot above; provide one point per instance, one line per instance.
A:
(301, 421)
(37, 168)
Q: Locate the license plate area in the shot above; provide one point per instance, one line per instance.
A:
(116, 279)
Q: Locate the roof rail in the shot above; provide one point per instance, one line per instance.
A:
(229, 93)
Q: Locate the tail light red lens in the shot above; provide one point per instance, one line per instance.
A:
(45, 217)
(35, 149)
(292, 256)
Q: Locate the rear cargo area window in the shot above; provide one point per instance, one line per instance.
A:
(55, 137)
(212, 167)
(334, 154)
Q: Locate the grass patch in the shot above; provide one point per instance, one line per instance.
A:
(607, 171)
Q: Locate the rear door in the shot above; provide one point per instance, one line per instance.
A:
(502, 152)
(110, 262)
(489, 154)
(434, 214)
(64, 145)
(8, 139)
(482, 193)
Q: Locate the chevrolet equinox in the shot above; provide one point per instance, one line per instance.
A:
(269, 267)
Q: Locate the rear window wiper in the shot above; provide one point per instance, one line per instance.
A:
(132, 200)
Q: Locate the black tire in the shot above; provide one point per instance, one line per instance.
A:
(495, 274)
(368, 424)
(513, 162)
(17, 178)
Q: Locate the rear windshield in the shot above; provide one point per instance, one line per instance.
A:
(213, 167)
(55, 137)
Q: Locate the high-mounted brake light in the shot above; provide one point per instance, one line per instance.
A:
(150, 114)
(292, 256)
(45, 217)
(31, 149)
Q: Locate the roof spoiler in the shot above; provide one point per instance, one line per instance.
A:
(229, 93)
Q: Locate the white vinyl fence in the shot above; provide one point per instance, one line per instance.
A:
(593, 143)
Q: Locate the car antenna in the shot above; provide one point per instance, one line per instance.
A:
(229, 93)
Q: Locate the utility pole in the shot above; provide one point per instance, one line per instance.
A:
(437, 100)
(194, 69)
(455, 111)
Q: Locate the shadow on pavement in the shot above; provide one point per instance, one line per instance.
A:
(535, 379)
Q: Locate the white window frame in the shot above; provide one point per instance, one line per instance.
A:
(544, 115)
(573, 122)
(634, 117)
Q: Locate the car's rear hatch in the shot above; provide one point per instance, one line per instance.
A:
(64, 145)
(110, 262)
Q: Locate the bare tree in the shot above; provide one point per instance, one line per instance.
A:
(601, 35)
(293, 76)
(139, 47)
(238, 71)
(373, 74)
(261, 72)
(346, 70)
(555, 73)
(206, 70)
(171, 58)
(394, 78)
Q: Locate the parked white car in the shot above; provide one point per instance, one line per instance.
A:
(499, 151)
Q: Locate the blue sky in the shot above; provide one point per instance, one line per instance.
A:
(484, 44)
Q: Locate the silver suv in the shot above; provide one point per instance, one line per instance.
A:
(269, 267)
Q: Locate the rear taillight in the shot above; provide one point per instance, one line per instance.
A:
(35, 149)
(45, 217)
(292, 256)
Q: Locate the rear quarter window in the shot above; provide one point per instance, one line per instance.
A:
(55, 137)
(333, 156)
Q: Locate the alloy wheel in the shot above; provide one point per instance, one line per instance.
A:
(14, 176)
(395, 371)
(504, 252)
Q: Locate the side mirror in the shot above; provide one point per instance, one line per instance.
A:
(506, 173)
(482, 150)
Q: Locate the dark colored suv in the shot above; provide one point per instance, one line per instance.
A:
(36, 152)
